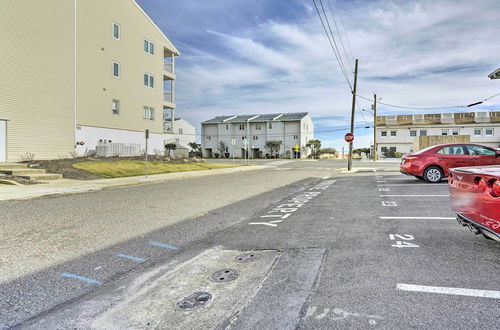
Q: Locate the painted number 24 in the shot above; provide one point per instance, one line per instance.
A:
(402, 241)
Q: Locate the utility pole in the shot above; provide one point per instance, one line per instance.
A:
(374, 127)
(349, 161)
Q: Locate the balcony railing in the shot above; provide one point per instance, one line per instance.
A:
(168, 66)
(168, 96)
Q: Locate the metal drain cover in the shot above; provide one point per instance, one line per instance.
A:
(194, 300)
(246, 257)
(225, 275)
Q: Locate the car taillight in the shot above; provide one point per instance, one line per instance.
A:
(495, 188)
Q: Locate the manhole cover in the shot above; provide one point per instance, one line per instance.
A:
(246, 257)
(225, 275)
(194, 300)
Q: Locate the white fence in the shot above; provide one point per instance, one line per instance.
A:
(118, 149)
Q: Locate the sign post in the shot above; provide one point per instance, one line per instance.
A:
(349, 137)
(147, 137)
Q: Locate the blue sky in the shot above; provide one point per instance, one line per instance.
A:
(266, 56)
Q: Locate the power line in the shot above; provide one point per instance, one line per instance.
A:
(344, 29)
(338, 33)
(331, 45)
(333, 38)
(429, 108)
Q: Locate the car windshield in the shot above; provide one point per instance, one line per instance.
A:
(423, 150)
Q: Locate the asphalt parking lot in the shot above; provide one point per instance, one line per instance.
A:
(369, 251)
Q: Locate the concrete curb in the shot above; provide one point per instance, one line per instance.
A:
(76, 186)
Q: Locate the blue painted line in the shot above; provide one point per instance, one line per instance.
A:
(88, 280)
(166, 246)
(121, 255)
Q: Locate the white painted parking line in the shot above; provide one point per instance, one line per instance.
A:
(447, 195)
(412, 184)
(418, 218)
(448, 290)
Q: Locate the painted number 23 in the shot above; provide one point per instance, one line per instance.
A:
(402, 241)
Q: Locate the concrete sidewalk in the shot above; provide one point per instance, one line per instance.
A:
(67, 186)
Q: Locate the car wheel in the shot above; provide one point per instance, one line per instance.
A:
(420, 177)
(433, 174)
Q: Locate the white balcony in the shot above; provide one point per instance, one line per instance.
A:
(482, 117)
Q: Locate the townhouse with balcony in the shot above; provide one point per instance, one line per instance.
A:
(398, 133)
(251, 132)
(78, 73)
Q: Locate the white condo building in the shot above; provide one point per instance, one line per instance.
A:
(399, 132)
(251, 132)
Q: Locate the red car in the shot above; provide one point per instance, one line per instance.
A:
(475, 196)
(432, 164)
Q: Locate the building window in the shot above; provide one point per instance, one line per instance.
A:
(116, 107)
(393, 133)
(383, 149)
(393, 149)
(181, 131)
(444, 132)
(177, 140)
(116, 31)
(488, 132)
(149, 113)
(255, 138)
(270, 125)
(295, 137)
(149, 80)
(383, 133)
(149, 47)
(209, 138)
(243, 138)
(423, 132)
(257, 126)
(413, 133)
(242, 127)
(227, 127)
(478, 132)
(455, 132)
(116, 69)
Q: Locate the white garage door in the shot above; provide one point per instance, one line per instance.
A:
(3, 140)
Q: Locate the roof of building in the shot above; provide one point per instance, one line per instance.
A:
(257, 118)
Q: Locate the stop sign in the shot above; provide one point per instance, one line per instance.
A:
(349, 137)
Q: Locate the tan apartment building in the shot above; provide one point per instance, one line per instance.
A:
(77, 73)
(398, 133)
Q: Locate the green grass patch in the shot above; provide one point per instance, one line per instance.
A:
(124, 168)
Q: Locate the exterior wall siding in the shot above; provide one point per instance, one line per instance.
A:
(96, 51)
(37, 77)
(290, 132)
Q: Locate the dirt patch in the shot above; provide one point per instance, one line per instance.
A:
(65, 166)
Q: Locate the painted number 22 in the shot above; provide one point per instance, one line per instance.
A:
(402, 241)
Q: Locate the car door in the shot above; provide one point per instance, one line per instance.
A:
(453, 156)
(483, 156)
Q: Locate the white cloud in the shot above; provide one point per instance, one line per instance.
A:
(425, 53)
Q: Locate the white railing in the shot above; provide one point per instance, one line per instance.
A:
(168, 66)
(118, 149)
(168, 96)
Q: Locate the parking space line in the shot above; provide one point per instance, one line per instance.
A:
(412, 184)
(81, 278)
(418, 218)
(450, 291)
(166, 246)
(121, 255)
(447, 195)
